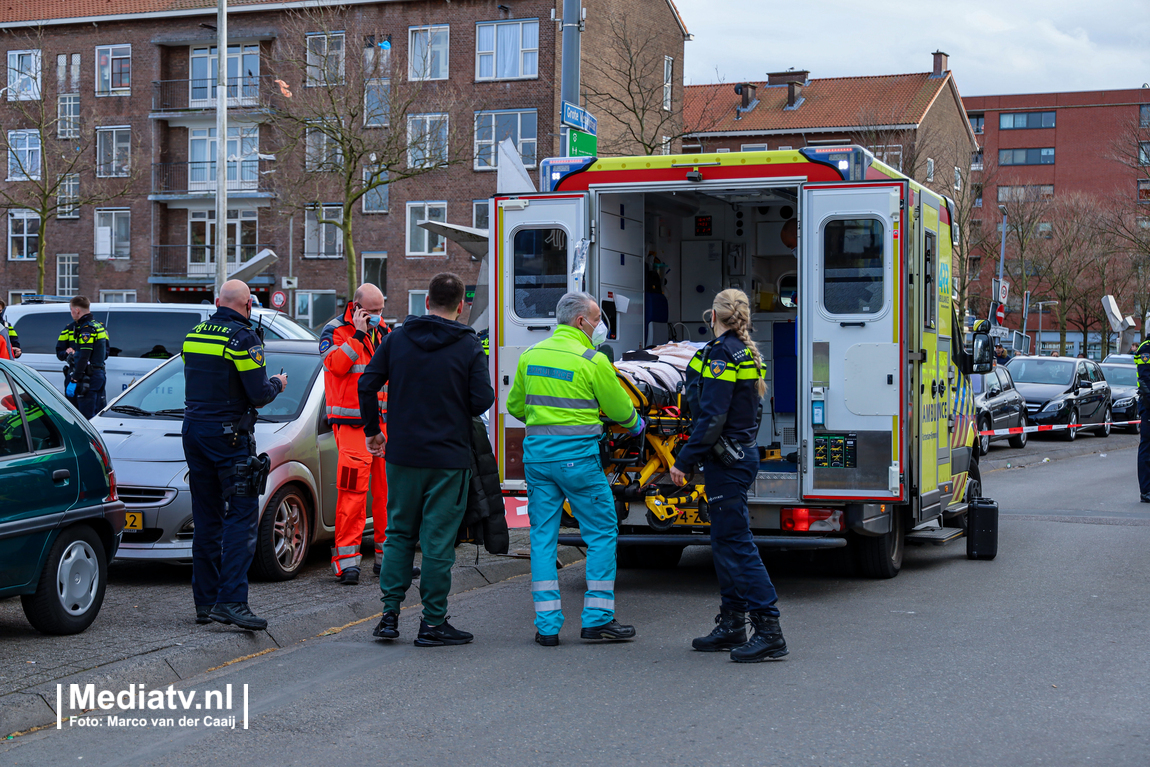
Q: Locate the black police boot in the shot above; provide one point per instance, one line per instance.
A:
(730, 631)
(350, 576)
(239, 614)
(388, 627)
(546, 640)
(1145, 497)
(613, 630)
(202, 613)
(443, 634)
(766, 644)
(378, 566)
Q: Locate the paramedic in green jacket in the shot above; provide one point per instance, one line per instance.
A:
(560, 387)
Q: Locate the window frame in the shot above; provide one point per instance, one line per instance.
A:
(1144, 153)
(1014, 115)
(980, 128)
(15, 75)
(882, 309)
(407, 227)
(422, 304)
(112, 57)
(385, 194)
(1010, 196)
(311, 222)
(668, 82)
(373, 255)
(494, 143)
(328, 163)
(104, 296)
(24, 214)
(1030, 156)
(68, 122)
(64, 209)
(22, 167)
(310, 69)
(385, 82)
(753, 148)
(1142, 190)
(430, 29)
(101, 168)
(494, 52)
(75, 275)
(115, 214)
(475, 205)
(427, 117)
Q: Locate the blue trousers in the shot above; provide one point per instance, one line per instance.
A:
(582, 483)
(225, 536)
(1144, 448)
(743, 581)
(95, 400)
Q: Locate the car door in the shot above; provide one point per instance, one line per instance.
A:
(1011, 405)
(1101, 389)
(140, 340)
(1087, 399)
(994, 399)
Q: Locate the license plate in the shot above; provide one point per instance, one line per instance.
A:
(134, 520)
(690, 517)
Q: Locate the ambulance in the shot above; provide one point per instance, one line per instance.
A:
(867, 432)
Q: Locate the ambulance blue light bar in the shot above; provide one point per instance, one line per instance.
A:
(554, 169)
(851, 162)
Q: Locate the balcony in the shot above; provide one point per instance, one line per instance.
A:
(196, 263)
(193, 178)
(192, 95)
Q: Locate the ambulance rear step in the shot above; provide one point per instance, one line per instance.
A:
(779, 542)
(939, 536)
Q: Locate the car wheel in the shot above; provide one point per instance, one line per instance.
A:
(880, 556)
(983, 441)
(284, 535)
(1104, 430)
(1018, 441)
(1071, 434)
(71, 587)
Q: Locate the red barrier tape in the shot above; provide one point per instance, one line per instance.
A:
(1051, 427)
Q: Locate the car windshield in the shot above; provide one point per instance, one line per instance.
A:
(279, 326)
(162, 392)
(1042, 371)
(1120, 375)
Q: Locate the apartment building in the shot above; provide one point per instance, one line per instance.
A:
(139, 79)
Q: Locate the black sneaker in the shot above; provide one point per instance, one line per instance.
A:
(613, 630)
(202, 613)
(350, 576)
(239, 614)
(546, 640)
(443, 634)
(388, 627)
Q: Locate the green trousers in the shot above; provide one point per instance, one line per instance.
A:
(424, 506)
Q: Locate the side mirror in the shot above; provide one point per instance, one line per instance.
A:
(983, 353)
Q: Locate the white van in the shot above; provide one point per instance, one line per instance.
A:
(141, 336)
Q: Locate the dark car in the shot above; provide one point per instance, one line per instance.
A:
(998, 405)
(1060, 390)
(60, 519)
(1123, 380)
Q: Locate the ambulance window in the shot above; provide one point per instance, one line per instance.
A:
(929, 292)
(539, 275)
(853, 266)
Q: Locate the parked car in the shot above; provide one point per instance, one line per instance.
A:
(998, 405)
(142, 335)
(60, 519)
(1123, 380)
(1121, 359)
(1063, 391)
(142, 429)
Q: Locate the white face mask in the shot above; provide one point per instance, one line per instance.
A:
(599, 334)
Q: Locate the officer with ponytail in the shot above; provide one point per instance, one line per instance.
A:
(725, 387)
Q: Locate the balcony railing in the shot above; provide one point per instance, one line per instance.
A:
(186, 95)
(199, 260)
(192, 177)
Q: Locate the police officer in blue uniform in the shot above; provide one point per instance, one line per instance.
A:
(225, 381)
(1142, 360)
(84, 345)
(724, 391)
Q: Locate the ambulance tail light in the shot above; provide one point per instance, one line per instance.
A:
(800, 519)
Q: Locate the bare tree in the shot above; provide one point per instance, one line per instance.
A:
(976, 237)
(1028, 260)
(1126, 214)
(905, 149)
(1077, 254)
(349, 125)
(56, 161)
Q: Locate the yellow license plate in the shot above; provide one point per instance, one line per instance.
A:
(690, 517)
(134, 520)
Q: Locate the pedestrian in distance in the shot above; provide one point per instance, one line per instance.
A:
(437, 380)
(83, 344)
(1142, 361)
(561, 385)
(9, 333)
(224, 382)
(724, 389)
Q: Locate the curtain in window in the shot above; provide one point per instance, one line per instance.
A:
(507, 51)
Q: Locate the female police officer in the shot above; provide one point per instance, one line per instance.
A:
(724, 388)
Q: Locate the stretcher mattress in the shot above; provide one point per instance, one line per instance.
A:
(662, 368)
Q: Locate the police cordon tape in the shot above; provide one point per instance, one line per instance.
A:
(1051, 427)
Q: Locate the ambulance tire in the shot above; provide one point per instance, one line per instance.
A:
(880, 556)
(653, 557)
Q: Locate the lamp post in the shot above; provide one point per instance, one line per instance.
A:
(1002, 248)
(1041, 304)
(221, 243)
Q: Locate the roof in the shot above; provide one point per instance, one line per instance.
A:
(830, 102)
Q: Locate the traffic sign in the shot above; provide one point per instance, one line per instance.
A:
(279, 299)
(580, 144)
(999, 332)
(1002, 290)
(999, 313)
(580, 118)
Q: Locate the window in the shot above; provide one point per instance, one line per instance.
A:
(480, 214)
(113, 233)
(853, 266)
(1026, 156)
(68, 115)
(957, 179)
(118, 296)
(1144, 115)
(492, 127)
(313, 308)
(375, 200)
(506, 50)
(1025, 193)
(1144, 152)
(929, 291)
(665, 145)
(753, 148)
(421, 242)
(427, 53)
(13, 437)
(929, 169)
(539, 272)
(1017, 120)
(377, 103)
(725, 150)
(426, 140)
(323, 240)
(23, 75)
(114, 70)
(891, 154)
(325, 55)
(67, 193)
(39, 432)
(323, 152)
(977, 123)
(23, 155)
(67, 274)
(375, 270)
(23, 234)
(113, 151)
(243, 63)
(668, 76)
(417, 303)
(976, 160)
(1143, 190)
(1044, 230)
(242, 151)
(202, 233)
(976, 193)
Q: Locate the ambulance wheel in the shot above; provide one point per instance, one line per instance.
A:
(650, 557)
(880, 556)
(283, 536)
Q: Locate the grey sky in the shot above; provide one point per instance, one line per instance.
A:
(1005, 46)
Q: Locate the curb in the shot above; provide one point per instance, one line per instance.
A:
(35, 707)
(1022, 461)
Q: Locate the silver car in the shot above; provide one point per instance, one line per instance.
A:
(142, 430)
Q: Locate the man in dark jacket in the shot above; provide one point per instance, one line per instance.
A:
(437, 379)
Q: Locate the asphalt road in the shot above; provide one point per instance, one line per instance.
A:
(1037, 658)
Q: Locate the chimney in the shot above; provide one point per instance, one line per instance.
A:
(791, 75)
(747, 91)
(940, 63)
(794, 94)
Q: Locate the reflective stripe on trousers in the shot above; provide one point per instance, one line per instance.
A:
(546, 596)
(343, 557)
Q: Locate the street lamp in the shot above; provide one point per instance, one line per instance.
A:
(1002, 249)
(1041, 304)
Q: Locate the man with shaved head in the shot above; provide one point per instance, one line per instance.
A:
(224, 382)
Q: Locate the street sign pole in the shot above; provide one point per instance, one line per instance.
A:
(221, 242)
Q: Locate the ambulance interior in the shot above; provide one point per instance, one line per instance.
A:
(663, 256)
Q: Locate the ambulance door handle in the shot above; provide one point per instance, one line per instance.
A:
(539, 327)
(852, 324)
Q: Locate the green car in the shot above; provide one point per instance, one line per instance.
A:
(60, 519)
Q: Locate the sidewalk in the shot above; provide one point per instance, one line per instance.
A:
(1036, 450)
(146, 631)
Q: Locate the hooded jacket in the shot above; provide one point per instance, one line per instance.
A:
(484, 521)
(437, 380)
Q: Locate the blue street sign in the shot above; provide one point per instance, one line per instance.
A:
(576, 117)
